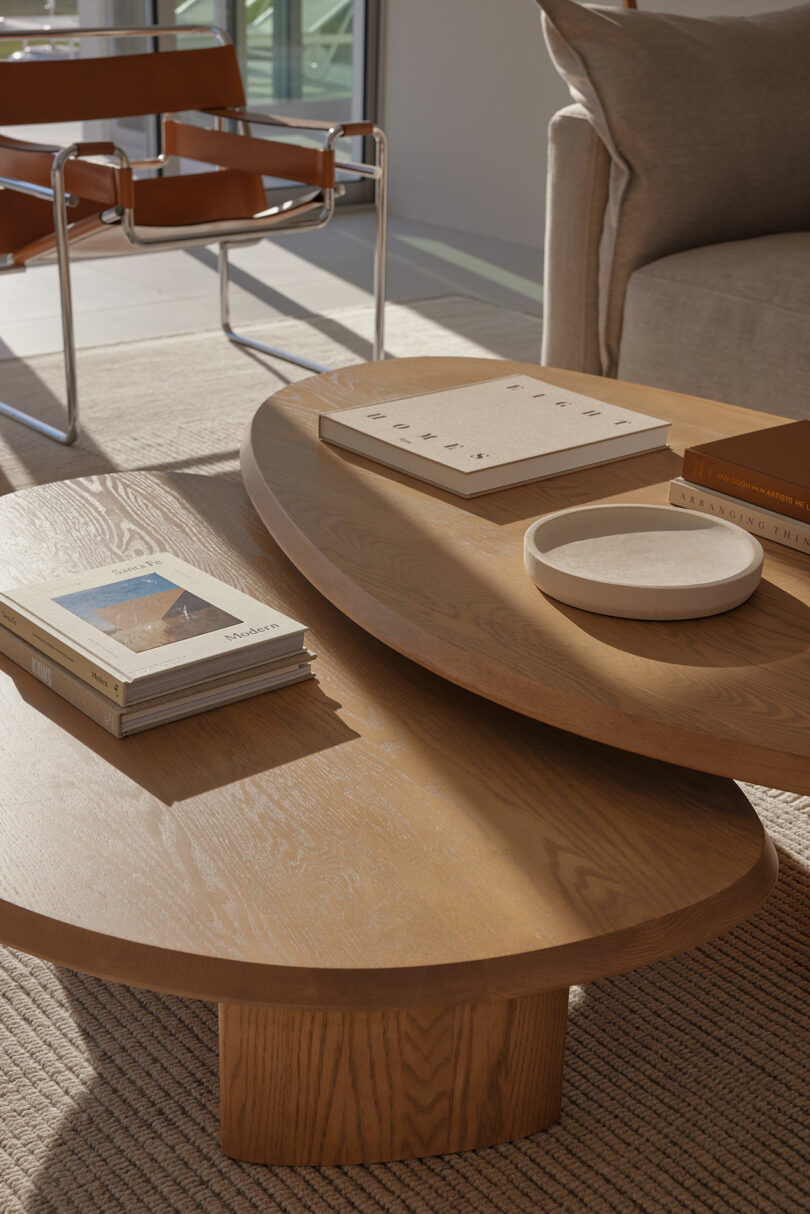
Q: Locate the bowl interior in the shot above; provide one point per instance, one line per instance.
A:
(644, 546)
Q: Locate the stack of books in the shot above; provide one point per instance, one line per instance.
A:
(150, 640)
(759, 480)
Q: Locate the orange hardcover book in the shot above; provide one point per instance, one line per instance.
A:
(769, 467)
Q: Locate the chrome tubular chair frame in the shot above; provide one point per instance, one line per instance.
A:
(61, 201)
(379, 174)
(305, 212)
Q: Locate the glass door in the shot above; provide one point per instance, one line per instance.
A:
(302, 56)
(307, 58)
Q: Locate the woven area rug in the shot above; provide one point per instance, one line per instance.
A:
(182, 403)
(687, 1084)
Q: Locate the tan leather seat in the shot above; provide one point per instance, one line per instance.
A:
(91, 199)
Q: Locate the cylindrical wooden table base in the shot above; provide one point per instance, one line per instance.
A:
(303, 1087)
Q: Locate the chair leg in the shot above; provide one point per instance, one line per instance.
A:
(250, 342)
(68, 435)
(380, 215)
(381, 218)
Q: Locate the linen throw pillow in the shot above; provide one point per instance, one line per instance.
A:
(707, 121)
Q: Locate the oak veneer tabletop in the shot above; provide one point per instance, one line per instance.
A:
(441, 579)
(373, 845)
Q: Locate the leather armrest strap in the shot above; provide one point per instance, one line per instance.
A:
(26, 145)
(300, 124)
(310, 165)
(99, 182)
(95, 149)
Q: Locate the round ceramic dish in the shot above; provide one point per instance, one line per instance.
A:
(643, 562)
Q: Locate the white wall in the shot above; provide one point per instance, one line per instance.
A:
(467, 91)
(467, 88)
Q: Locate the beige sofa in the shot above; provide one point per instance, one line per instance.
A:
(678, 203)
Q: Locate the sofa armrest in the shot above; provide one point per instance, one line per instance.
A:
(576, 196)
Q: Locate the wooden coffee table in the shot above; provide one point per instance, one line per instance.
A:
(386, 882)
(441, 580)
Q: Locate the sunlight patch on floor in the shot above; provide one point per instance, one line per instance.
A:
(473, 265)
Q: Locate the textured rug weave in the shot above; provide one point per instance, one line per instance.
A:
(182, 403)
(687, 1083)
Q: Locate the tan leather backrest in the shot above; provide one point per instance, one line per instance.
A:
(119, 86)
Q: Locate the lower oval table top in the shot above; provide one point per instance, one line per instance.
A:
(374, 838)
(441, 579)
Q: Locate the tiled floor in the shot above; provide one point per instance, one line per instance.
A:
(127, 298)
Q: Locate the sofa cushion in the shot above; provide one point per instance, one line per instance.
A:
(707, 121)
(729, 321)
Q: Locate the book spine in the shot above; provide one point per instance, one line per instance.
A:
(765, 524)
(57, 650)
(755, 487)
(66, 685)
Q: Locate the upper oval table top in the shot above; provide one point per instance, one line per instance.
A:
(441, 579)
(377, 837)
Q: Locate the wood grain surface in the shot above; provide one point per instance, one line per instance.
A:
(358, 1087)
(376, 838)
(441, 580)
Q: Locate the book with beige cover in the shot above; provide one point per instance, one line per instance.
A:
(767, 524)
(487, 436)
(148, 626)
(122, 721)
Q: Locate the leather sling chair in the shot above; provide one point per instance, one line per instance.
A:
(86, 198)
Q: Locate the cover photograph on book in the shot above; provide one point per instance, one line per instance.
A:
(147, 626)
(146, 612)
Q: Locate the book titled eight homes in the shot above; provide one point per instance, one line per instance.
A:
(144, 627)
(487, 436)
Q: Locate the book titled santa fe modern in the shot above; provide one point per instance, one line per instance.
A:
(149, 626)
(487, 436)
(121, 720)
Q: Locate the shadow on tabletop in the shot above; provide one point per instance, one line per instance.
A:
(401, 696)
(177, 761)
(676, 1076)
(768, 627)
(209, 750)
(525, 503)
(766, 630)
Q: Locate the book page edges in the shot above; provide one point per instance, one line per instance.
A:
(490, 480)
(137, 722)
(55, 648)
(173, 706)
